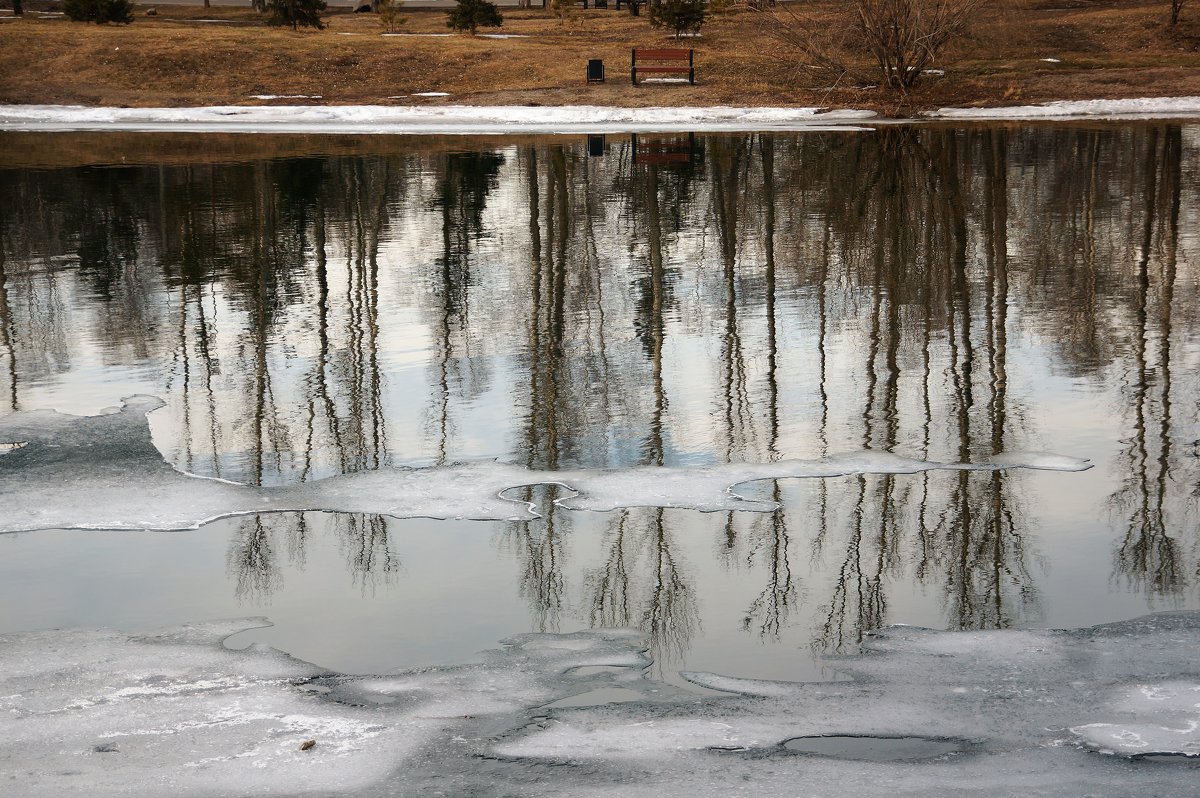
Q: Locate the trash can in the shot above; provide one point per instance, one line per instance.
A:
(595, 71)
(596, 145)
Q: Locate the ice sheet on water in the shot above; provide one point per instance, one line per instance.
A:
(1164, 719)
(104, 472)
(101, 713)
(1010, 697)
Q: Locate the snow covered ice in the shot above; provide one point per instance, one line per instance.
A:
(104, 472)
(1014, 712)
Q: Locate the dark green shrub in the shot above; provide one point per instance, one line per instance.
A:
(99, 11)
(472, 14)
(681, 16)
(296, 13)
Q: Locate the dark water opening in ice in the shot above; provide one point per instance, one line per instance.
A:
(876, 749)
(312, 307)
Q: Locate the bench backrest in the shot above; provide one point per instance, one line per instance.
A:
(646, 54)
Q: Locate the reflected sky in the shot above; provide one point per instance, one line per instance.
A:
(943, 293)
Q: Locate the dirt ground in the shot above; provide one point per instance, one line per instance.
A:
(1104, 49)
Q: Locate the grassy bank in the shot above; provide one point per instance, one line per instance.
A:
(1102, 50)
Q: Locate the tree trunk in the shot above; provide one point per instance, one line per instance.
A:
(19, 9)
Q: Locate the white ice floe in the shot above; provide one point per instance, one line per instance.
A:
(1144, 710)
(1142, 108)
(998, 713)
(285, 96)
(104, 472)
(445, 119)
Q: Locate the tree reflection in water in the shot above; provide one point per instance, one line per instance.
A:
(781, 296)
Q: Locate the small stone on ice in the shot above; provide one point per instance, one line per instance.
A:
(307, 744)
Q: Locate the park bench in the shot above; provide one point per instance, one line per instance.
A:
(678, 62)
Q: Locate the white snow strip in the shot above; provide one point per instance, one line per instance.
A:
(447, 119)
(1052, 60)
(285, 96)
(431, 94)
(1143, 108)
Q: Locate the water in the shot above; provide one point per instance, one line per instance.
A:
(308, 307)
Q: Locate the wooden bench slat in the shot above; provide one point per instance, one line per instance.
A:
(660, 55)
(663, 69)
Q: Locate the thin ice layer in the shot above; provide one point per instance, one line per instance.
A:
(97, 713)
(104, 472)
(1027, 706)
(100, 713)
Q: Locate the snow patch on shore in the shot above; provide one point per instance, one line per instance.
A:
(465, 119)
(1141, 108)
(444, 119)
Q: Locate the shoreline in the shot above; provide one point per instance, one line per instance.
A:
(558, 119)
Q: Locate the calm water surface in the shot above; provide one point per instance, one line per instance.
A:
(309, 307)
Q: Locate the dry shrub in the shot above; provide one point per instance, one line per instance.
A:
(902, 38)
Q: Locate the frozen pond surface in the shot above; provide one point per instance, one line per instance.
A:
(1033, 713)
(749, 398)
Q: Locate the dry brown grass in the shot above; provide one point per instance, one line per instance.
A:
(1116, 49)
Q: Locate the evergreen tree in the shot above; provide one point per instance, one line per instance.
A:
(681, 16)
(296, 13)
(472, 14)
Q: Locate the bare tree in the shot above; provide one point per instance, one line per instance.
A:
(1176, 8)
